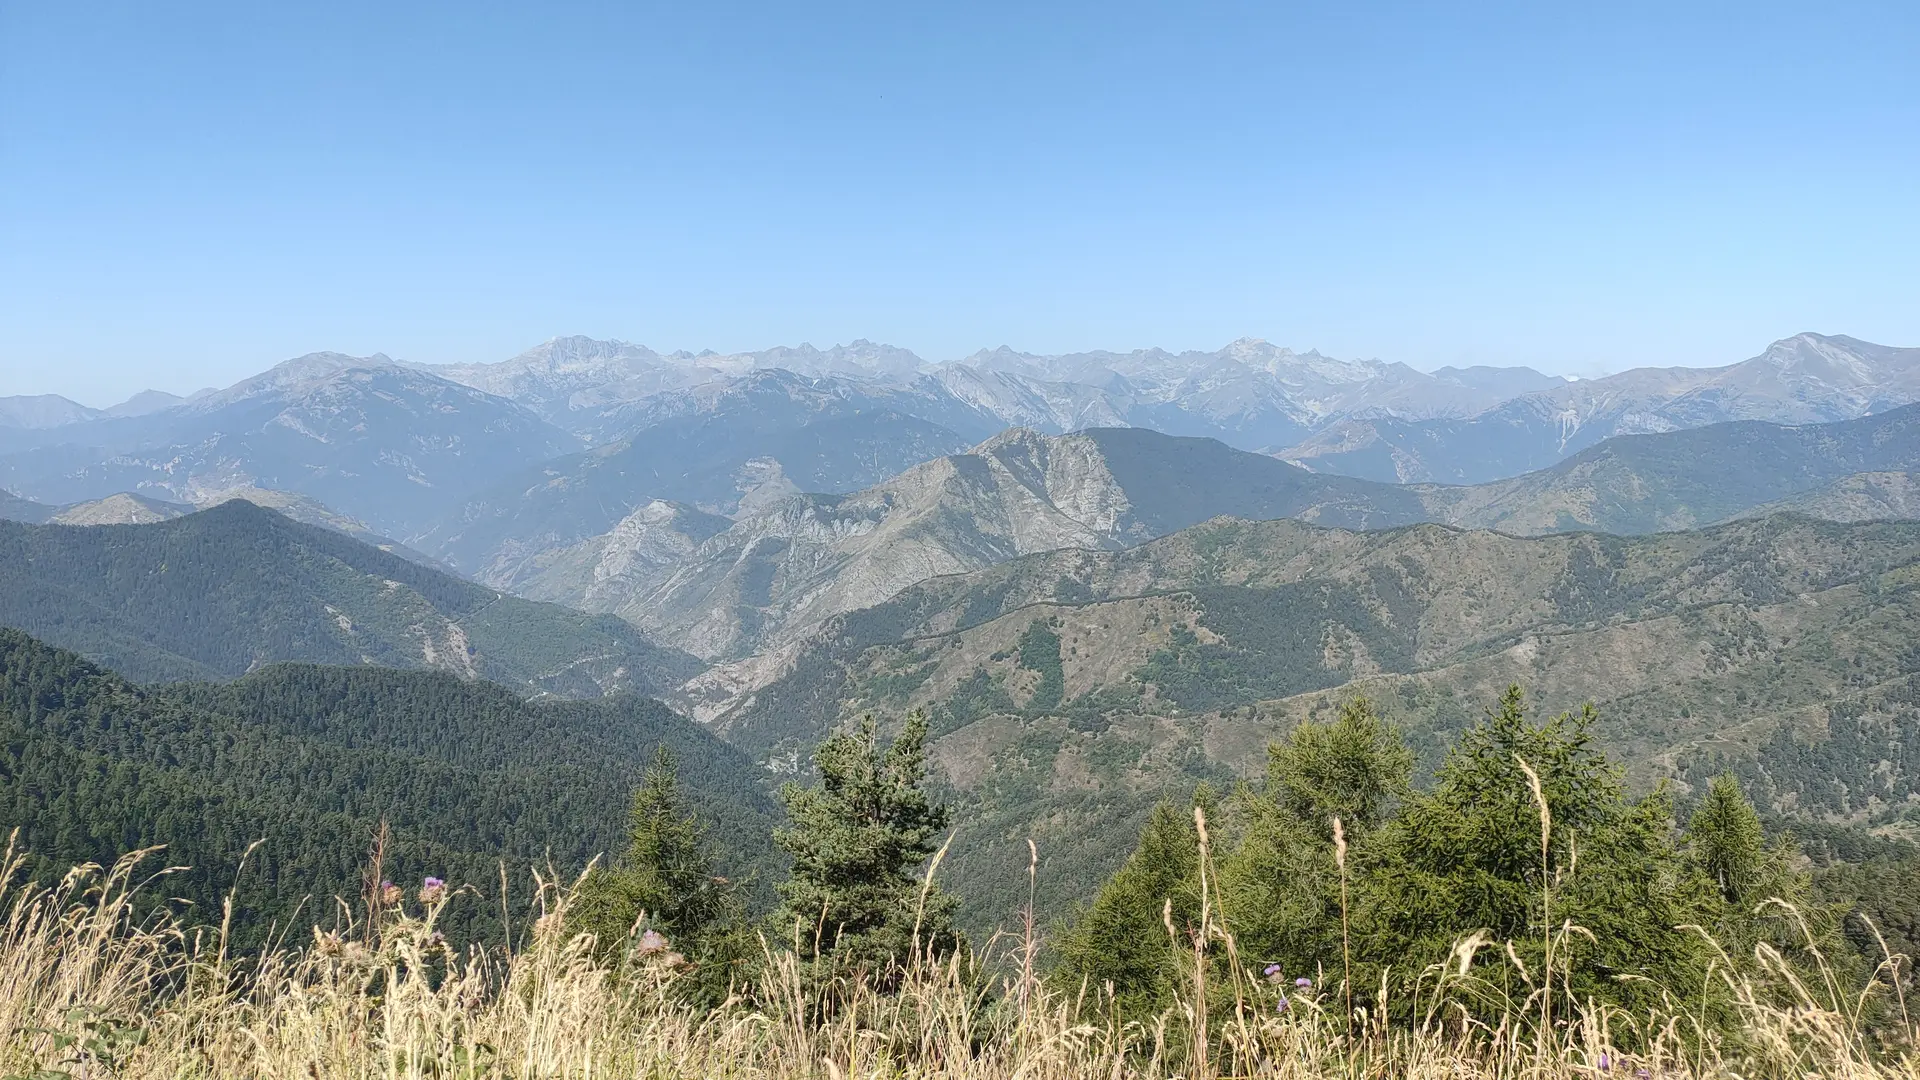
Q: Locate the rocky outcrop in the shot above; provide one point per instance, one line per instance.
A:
(781, 570)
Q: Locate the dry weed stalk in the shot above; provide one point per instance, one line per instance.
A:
(88, 989)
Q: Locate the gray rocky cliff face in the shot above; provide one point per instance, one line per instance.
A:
(777, 572)
(783, 569)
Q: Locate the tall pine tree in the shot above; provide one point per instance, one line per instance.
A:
(664, 882)
(1282, 884)
(1119, 944)
(1726, 840)
(1467, 856)
(860, 842)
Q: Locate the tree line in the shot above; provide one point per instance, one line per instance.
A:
(1525, 864)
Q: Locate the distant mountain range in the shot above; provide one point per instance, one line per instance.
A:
(52, 410)
(218, 593)
(493, 467)
(728, 589)
(1805, 379)
(390, 446)
(1249, 394)
(728, 503)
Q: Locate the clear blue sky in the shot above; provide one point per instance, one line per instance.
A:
(190, 192)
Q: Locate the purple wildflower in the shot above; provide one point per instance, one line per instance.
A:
(1273, 974)
(652, 942)
(432, 890)
(1606, 1062)
(1303, 983)
(389, 893)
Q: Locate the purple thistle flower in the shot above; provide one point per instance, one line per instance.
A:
(389, 893)
(1303, 983)
(1606, 1062)
(652, 942)
(1281, 1005)
(1273, 974)
(431, 890)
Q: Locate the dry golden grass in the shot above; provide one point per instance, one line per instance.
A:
(86, 991)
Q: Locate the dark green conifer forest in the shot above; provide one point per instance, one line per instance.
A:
(1341, 871)
(311, 760)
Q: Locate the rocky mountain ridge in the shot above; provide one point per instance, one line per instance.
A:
(1249, 393)
(389, 445)
(776, 572)
(767, 577)
(1804, 379)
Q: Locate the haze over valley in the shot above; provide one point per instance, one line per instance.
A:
(1209, 546)
(964, 542)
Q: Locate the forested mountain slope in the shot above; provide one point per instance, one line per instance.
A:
(218, 593)
(311, 760)
(1863, 496)
(1071, 688)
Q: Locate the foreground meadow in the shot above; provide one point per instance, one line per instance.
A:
(89, 987)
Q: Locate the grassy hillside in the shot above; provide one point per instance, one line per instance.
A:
(310, 759)
(218, 593)
(1071, 689)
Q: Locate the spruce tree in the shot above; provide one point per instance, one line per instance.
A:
(1467, 856)
(1352, 768)
(860, 841)
(1726, 841)
(665, 875)
(1727, 845)
(1281, 884)
(1120, 940)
